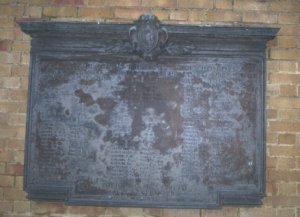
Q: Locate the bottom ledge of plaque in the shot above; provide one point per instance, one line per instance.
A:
(62, 193)
(42, 193)
(222, 199)
(242, 199)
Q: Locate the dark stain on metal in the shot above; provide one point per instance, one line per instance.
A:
(85, 98)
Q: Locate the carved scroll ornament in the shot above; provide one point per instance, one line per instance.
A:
(147, 37)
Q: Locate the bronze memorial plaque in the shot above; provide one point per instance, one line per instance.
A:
(145, 114)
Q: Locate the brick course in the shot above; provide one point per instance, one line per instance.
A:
(283, 90)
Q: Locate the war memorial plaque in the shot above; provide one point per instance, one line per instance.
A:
(145, 114)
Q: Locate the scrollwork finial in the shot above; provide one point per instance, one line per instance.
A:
(147, 37)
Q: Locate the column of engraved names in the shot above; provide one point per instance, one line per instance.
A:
(190, 135)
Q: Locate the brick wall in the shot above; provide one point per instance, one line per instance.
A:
(283, 91)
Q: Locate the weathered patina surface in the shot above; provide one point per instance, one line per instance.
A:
(118, 120)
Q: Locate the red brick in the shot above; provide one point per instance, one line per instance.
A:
(285, 212)
(129, 212)
(223, 16)
(40, 2)
(284, 78)
(287, 138)
(271, 113)
(259, 17)
(283, 201)
(286, 188)
(155, 212)
(7, 132)
(24, 83)
(14, 169)
(15, 144)
(224, 212)
(7, 34)
(289, 30)
(288, 90)
(179, 15)
(23, 46)
(129, 13)
(284, 102)
(12, 194)
(19, 154)
(5, 45)
(27, 19)
(284, 126)
(86, 210)
(271, 162)
(19, 35)
(223, 4)
(286, 151)
(19, 182)
(11, 10)
(1, 195)
(6, 22)
(161, 14)
(3, 119)
(19, 95)
(19, 70)
(22, 206)
(271, 188)
(287, 42)
(281, 175)
(46, 207)
(6, 155)
(4, 95)
(286, 163)
(69, 2)
(273, 90)
(288, 66)
(34, 11)
(6, 181)
(272, 65)
(288, 114)
(257, 212)
(181, 213)
(197, 15)
(272, 43)
(250, 5)
(290, 6)
(287, 18)
(5, 57)
(11, 82)
(160, 3)
(272, 137)
(6, 106)
(122, 3)
(195, 4)
(6, 206)
(22, 107)
(60, 11)
(25, 57)
(5, 70)
(97, 2)
(2, 170)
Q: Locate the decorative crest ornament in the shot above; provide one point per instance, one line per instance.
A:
(147, 37)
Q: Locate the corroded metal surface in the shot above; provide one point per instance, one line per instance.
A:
(180, 131)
